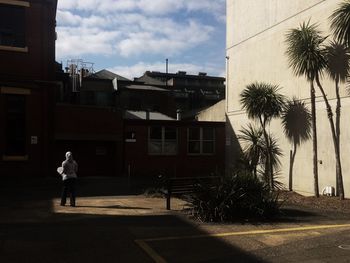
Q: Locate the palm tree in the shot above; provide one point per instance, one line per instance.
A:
(338, 68)
(306, 58)
(252, 150)
(273, 151)
(340, 23)
(262, 102)
(296, 122)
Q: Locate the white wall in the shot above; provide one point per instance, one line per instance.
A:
(256, 33)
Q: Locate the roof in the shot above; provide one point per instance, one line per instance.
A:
(180, 74)
(142, 115)
(151, 81)
(106, 74)
(144, 87)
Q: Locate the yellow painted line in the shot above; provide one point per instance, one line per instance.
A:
(150, 252)
(158, 259)
(254, 232)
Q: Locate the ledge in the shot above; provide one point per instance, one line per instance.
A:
(14, 49)
(15, 158)
(15, 2)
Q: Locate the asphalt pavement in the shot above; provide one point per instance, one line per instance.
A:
(110, 225)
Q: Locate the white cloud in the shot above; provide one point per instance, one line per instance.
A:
(173, 39)
(73, 42)
(138, 69)
(136, 35)
(125, 29)
(215, 8)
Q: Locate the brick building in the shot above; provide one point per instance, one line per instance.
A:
(27, 74)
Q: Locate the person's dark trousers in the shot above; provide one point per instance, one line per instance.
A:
(69, 186)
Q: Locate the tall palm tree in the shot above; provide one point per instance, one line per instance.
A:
(338, 68)
(262, 102)
(306, 58)
(340, 23)
(296, 122)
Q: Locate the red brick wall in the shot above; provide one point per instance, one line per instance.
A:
(70, 119)
(38, 62)
(93, 134)
(182, 164)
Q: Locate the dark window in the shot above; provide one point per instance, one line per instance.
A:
(162, 140)
(201, 140)
(15, 125)
(12, 26)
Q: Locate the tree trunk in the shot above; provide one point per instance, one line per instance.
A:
(334, 137)
(314, 138)
(291, 165)
(268, 159)
(339, 181)
(290, 170)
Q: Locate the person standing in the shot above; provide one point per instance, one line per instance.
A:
(69, 177)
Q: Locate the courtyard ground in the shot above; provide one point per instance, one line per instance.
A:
(110, 226)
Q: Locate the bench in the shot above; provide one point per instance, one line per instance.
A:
(185, 185)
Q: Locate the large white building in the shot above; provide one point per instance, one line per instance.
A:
(256, 34)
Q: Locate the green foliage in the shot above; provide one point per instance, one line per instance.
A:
(305, 51)
(262, 100)
(340, 23)
(251, 139)
(236, 197)
(273, 150)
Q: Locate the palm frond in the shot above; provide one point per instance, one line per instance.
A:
(305, 51)
(251, 139)
(262, 100)
(340, 23)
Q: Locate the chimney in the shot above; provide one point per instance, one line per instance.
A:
(178, 115)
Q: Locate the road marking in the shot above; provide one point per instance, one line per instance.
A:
(158, 259)
(150, 252)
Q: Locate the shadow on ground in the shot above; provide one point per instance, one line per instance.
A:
(31, 230)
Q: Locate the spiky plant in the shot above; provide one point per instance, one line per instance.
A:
(252, 146)
(263, 102)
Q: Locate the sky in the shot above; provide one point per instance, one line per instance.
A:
(129, 37)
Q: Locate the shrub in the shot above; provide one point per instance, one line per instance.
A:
(236, 197)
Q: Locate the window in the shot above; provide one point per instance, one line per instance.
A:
(162, 140)
(201, 140)
(15, 125)
(12, 26)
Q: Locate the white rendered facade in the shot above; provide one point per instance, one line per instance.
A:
(255, 49)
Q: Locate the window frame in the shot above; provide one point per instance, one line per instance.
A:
(163, 141)
(19, 4)
(201, 141)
